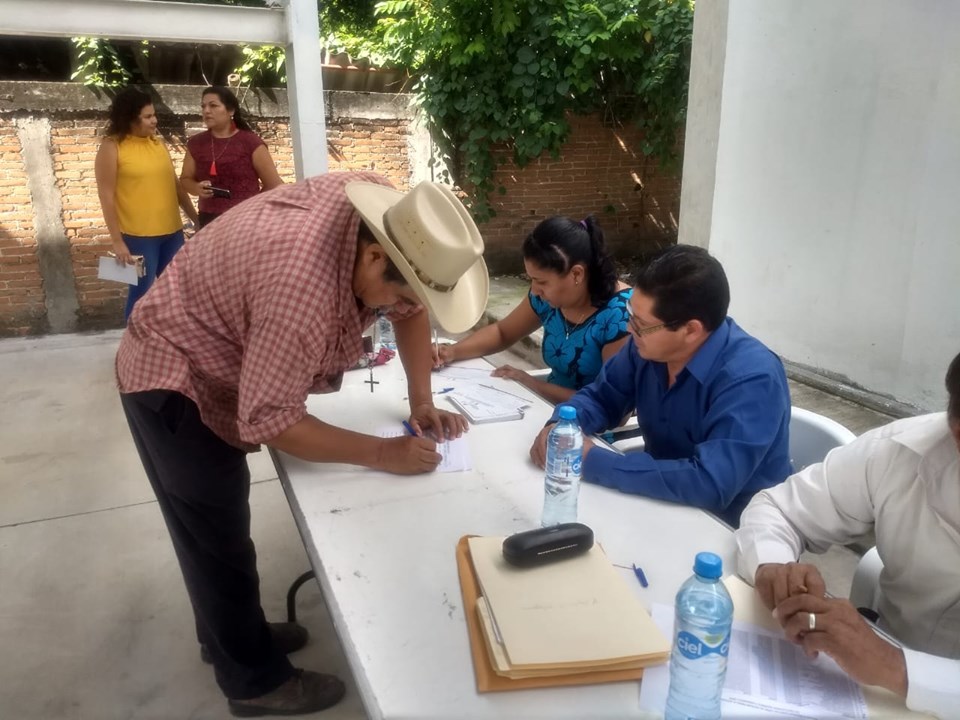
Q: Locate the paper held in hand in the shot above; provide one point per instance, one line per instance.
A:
(573, 616)
(110, 269)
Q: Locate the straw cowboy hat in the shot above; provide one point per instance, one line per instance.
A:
(435, 244)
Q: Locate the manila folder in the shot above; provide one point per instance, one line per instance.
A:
(576, 613)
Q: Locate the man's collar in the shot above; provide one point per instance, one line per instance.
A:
(704, 359)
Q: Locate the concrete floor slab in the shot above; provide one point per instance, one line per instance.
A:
(96, 608)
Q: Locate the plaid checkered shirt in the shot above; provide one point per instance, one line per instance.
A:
(256, 312)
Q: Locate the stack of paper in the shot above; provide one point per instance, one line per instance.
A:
(572, 616)
(483, 404)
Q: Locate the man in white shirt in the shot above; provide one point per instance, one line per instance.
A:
(903, 481)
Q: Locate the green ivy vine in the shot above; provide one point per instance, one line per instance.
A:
(99, 63)
(505, 74)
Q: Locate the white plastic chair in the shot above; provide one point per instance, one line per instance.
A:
(812, 436)
(865, 589)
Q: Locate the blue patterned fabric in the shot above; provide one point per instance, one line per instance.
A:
(576, 361)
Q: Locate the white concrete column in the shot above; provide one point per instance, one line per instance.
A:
(702, 138)
(305, 89)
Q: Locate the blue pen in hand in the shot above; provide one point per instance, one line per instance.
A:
(409, 428)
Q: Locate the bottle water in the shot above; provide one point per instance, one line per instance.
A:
(698, 664)
(385, 336)
(562, 482)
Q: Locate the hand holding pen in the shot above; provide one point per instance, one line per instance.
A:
(409, 454)
(442, 354)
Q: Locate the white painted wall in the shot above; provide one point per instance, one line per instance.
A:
(836, 206)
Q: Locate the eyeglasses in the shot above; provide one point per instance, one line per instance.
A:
(637, 329)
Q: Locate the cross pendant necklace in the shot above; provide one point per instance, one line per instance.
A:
(371, 382)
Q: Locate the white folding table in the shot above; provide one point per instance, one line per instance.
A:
(382, 547)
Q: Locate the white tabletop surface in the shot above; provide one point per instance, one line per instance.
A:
(383, 548)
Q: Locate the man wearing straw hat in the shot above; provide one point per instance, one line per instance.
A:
(263, 307)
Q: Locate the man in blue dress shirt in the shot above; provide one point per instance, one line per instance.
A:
(712, 402)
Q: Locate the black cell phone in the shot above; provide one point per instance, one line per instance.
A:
(220, 192)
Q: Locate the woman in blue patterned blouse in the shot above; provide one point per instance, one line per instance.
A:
(577, 299)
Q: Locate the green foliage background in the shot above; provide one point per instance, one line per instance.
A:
(507, 73)
(499, 78)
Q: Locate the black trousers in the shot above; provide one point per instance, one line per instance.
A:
(202, 485)
(206, 218)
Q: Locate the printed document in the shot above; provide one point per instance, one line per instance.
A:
(767, 676)
(455, 452)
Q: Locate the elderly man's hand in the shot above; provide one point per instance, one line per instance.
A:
(443, 424)
(841, 632)
(777, 581)
(407, 455)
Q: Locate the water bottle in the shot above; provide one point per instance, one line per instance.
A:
(698, 664)
(385, 334)
(562, 482)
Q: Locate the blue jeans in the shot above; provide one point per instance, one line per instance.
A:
(157, 251)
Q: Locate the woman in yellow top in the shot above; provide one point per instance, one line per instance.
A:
(139, 191)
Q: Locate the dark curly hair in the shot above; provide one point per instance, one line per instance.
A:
(230, 102)
(125, 111)
(558, 243)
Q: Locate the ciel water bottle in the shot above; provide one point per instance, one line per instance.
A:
(698, 664)
(562, 481)
(384, 332)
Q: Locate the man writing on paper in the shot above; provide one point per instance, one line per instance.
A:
(264, 306)
(903, 481)
(712, 402)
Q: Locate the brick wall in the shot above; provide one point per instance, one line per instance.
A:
(22, 308)
(602, 172)
(355, 145)
(364, 143)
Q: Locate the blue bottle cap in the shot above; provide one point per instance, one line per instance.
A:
(708, 565)
(568, 412)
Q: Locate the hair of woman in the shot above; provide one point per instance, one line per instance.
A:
(231, 103)
(558, 243)
(125, 111)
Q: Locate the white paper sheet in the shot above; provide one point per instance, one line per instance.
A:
(767, 676)
(110, 269)
(460, 372)
(455, 452)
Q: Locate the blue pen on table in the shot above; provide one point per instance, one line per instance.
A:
(638, 571)
(409, 428)
(444, 391)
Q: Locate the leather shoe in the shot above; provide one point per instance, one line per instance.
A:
(287, 636)
(305, 692)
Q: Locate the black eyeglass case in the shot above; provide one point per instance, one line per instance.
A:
(546, 545)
